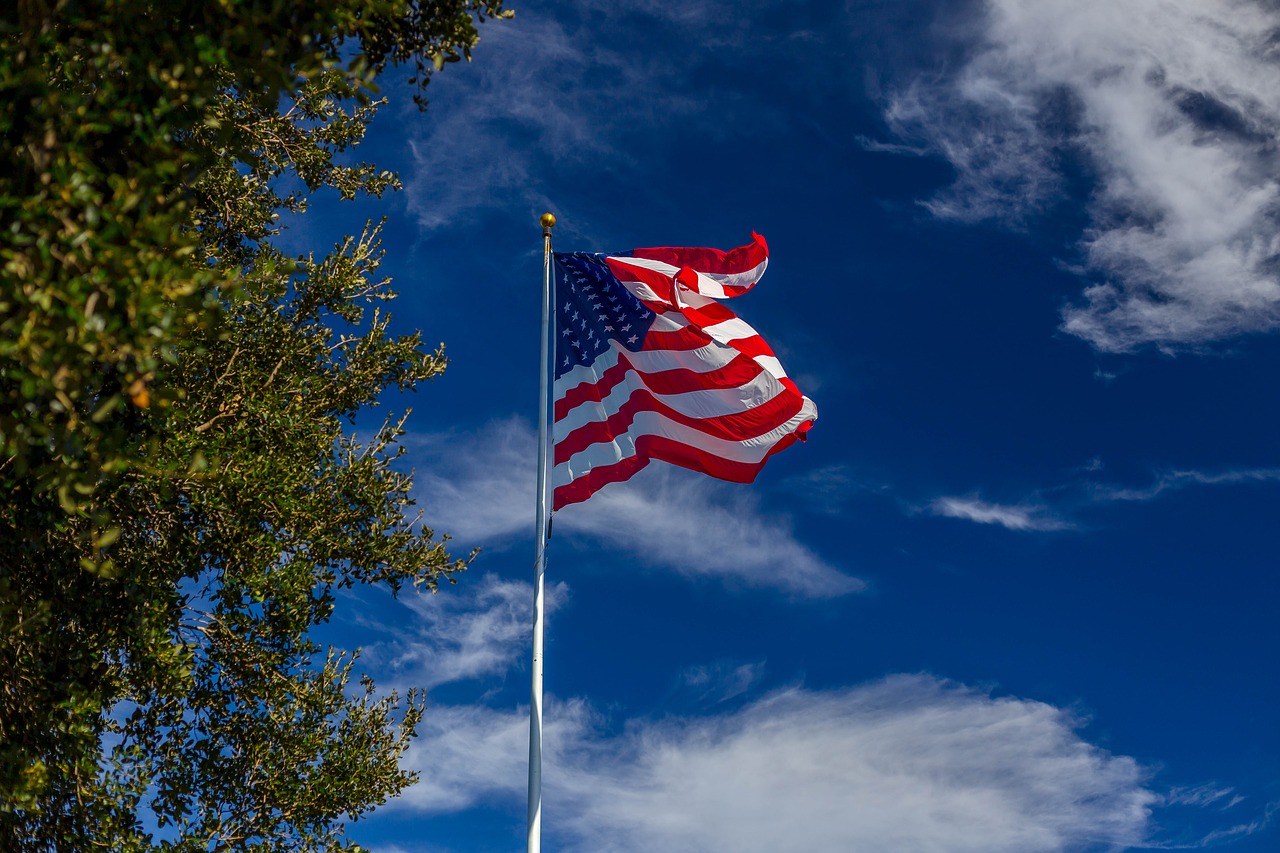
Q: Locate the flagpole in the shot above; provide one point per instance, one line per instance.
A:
(540, 555)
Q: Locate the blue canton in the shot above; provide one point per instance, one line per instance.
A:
(593, 309)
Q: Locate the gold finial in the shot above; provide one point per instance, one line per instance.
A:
(548, 220)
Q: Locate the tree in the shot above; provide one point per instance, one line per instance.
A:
(183, 493)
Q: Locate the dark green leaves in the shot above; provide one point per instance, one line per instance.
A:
(181, 494)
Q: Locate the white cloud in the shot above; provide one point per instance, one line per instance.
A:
(829, 489)
(719, 682)
(469, 754)
(479, 485)
(701, 527)
(910, 762)
(481, 491)
(1022, 516)
(1076, 496)
(1203, 795)
(1241, 830)
(578, 96)
(482, 146)
(476, 629)
(1175, 480)
(907, 763)
(1174, 105)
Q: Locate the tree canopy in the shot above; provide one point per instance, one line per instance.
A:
(183, 490)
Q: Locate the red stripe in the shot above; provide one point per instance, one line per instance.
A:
(591, 482)
(706, 315)
(738, 426)
(751, 347)
(681, 340)
(686, 339)
(714, 261)
(677, 380)
(656, 281)
(694, 336)
(701, 317)
(689, 277)
(650, 447)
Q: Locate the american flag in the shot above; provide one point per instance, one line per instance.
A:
(650, 366)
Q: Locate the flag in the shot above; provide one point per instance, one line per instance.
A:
(649, 365)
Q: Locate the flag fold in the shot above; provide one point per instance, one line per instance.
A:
(650, 365)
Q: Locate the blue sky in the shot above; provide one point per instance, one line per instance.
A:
(1017, 591)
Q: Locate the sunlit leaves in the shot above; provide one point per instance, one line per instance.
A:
(182, 490)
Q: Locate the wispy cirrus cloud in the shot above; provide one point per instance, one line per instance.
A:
(1174, 108)
(1034, 513)
(829, 489)
(481, 491)
(702, 527)
(573, 97)
(479, 629)
(1170, 481)
(721, 681)
(907, 763)
(1240, 830)
(1021, 516)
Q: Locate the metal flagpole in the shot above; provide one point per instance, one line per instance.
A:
(540, 554)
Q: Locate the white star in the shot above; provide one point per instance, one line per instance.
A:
(566, 361)
(608, 328)
(626, 328)
(567, 332)
(632, 339)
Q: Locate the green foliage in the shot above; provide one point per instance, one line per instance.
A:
(183, 494)
(111, 108)
(98, 266)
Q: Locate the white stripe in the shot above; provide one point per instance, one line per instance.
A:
(701, 360)
(727, 331)
(656, 304)
(669, 322)
(703, 403)
(696, 300)
(645, 263)
(723, 333)
(740, 279)
(704, 359)
(772, 365)
(730, 330)
(644, 292)
(604, 453)
(589, 373)
(709, 284)
(734, 329)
